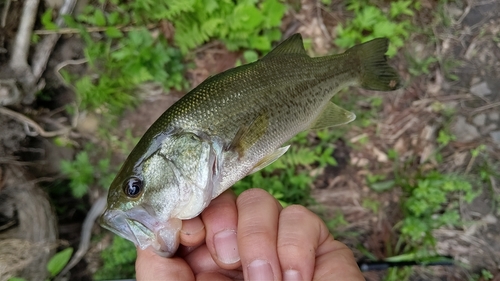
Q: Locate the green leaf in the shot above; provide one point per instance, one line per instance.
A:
(401, 258)
(384, 29)
(59, 261)
(114, 18)
(400, 8)
(99, 18)
(113, 32)
(211, 5)
(260, 43)
(274, 12)
(16, 279)
(382, 185)
(47, 20)
(248, 16)
(250, 56)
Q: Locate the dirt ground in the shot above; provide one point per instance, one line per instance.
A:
(406, 123)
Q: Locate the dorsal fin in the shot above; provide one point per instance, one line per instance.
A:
(292, 45)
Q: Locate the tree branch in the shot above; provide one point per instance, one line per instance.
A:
(19, 60)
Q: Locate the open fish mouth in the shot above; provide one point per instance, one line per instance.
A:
(144, 230)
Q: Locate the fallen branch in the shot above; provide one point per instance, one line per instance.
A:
(38, 129)
(69, 30)
(485, 107)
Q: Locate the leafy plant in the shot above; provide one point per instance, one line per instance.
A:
(239, 24)
(59, 261)
(428, 205)
(430, 201)
(370, 22)
(421, 66)
(82, 173)
(135, 59)
(118, 260)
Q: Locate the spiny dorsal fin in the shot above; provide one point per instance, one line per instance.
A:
(333, 115)
(292, 45)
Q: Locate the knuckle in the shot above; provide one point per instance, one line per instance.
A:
(251, 196)
(297, 211)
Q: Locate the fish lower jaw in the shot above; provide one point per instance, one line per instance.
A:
(166, 242)
(144, 230)
(163, 240)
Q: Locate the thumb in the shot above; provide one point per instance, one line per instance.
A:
(150, 266)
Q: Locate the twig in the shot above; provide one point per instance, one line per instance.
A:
(321, 22)
(38, 129)
(485, 107)
(3, 20)
(494, 184)
(5, 11)
(464, 14)
(471, 162)
(44, 49)
(68, 30)
(88, 223)
(442, 99)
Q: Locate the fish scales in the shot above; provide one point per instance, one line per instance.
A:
(232, 124)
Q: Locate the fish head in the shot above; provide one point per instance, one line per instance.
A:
(174, 180)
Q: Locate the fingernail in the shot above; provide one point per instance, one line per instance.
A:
(192, 228)
(260, 270)
(226, 246)
(292, 275)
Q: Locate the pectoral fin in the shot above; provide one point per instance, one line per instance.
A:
(248, 135)
(333, 115)
(264, 162)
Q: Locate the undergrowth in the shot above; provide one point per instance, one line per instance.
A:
(430, 200)
(83, 172)
(370, 22)
(118, 260)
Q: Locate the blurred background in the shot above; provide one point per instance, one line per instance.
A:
(415, 179)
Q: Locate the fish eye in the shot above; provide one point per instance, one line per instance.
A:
(132, 187)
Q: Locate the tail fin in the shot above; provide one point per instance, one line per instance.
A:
(376, 74)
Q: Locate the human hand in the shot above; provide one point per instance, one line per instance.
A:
(252, 238)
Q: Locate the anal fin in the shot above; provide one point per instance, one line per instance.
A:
(333, 115)
(268, 159)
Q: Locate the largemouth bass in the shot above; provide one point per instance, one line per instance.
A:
(231, 125)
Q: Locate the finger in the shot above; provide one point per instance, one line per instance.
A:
(221, 220)
(335, 262)
(192, 232)
(297, 245)
(257, 232)
(201, 262)
(212, 276)
(309, 251)
(150, 266)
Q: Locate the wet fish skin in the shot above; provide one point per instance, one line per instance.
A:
(233, 124)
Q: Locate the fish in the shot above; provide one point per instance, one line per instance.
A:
(231, 125)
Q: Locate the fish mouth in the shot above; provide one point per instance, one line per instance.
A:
(144, 230)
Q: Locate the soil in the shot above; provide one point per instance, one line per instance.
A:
(468, 48)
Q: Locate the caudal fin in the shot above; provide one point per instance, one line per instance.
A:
(376, 74)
